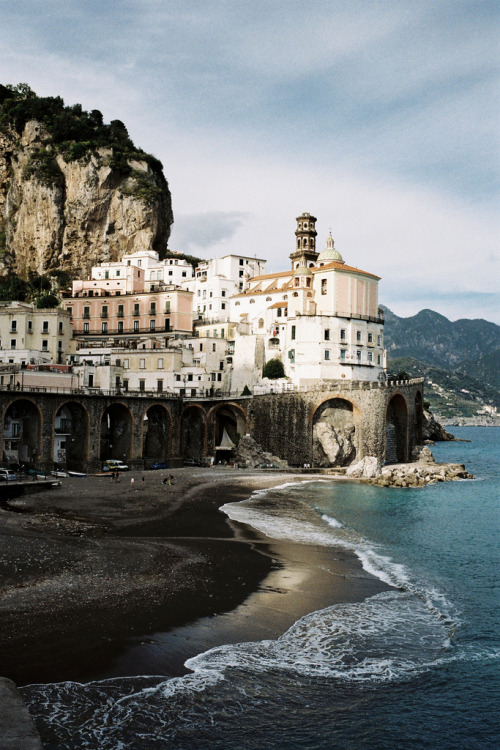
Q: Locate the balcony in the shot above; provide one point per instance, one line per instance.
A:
(104, 314)
(86, 316)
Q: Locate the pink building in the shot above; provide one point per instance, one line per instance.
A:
(114, 309)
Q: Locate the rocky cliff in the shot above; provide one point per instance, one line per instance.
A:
(62, 212)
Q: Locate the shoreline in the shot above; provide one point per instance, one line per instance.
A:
(102, 580)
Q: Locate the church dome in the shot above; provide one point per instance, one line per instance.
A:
(302, 271)
(330, 254)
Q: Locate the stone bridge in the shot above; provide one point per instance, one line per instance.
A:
(74, 430)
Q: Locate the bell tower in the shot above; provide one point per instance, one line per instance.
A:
(305, 243)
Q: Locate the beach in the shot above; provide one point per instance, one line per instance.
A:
(91, 569)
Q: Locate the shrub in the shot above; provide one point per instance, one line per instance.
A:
(273, 369)
(47, 301)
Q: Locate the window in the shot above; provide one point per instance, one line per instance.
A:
(125, 385)
(214, 347)
(45, 326)
(324, 285)
(177, 377)
(219, 377)
(221, 365)
(120, 326)
(223, 292)
(293, 332)
(142, 385)
(12, 343)
(358, 336)
(142, 364)
(370, 338)
(241, 274)
(327, 353)
(117, 273)
(152, 308)
(379, 340)
(184, 274)
(106, 274)
(91, 381)
(213, 376)
(327, 334)
(126, 364)
(86, 327)
(136, 308)
(60, 327)
(342, 354)
(358, 355)
(222, 334)
(159, 363)
(211, 294)
(68, 309)
(136, 326)
(370, 356)
(152, 325)
(159, 386)
(280, 312)
(261, 322)
(201, 347)
(167, 324)
(378, 359)
(342, 334)
(86, 312)
(167, 306)
(30, 326)
(104, 311)
(241, 261)
(223, 306)
(215, 333)
(190, 377)
(104, 327)
(120, 311)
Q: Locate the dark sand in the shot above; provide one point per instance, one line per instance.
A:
(100, 579)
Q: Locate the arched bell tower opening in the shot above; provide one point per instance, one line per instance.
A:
(305, 254)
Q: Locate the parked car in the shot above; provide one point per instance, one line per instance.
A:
(7, 475)
(159, 465)
(192, 462)
(113, 464)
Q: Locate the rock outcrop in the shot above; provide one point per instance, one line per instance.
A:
(418, 475)
(432, 430)
(333, 446)
(253, 456)
(71, 215)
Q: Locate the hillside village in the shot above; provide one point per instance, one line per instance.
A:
(141, 324)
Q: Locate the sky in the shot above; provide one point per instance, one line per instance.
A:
(380, 118)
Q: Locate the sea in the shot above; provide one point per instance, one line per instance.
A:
(415, 666)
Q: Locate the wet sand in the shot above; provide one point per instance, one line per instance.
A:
(99, 579)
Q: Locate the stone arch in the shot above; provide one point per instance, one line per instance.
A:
(22, 429)
(157, 433)
(71, 436)
(396, 429)
(193, 432)
(116, 431)
(419, 417)
(227, 424)
(334, 424)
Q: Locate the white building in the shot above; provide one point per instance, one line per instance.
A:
(29, 335)
(321, 318)
(217, 280)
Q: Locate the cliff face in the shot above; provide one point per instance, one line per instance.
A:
(71, 215)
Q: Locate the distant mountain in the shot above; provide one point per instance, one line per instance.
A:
(460, 360)
(432, 338)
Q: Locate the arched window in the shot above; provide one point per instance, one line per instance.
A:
(269, 299)
(295, 294)
(285, 296)
(236, 304)
(252, 302)
(261, 322)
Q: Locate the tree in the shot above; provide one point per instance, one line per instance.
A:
(47, 301)
(273, 369)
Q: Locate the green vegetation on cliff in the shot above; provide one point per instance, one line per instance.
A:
(73, 132)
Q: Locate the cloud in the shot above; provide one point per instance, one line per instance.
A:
(195, 232)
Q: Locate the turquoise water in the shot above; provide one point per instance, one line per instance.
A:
(413, 667)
